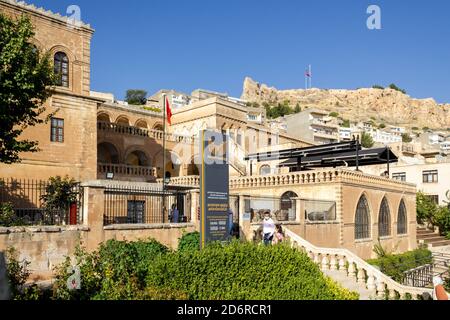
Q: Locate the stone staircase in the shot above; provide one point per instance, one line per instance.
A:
(431, 238)
(355, 274)
(351, 284)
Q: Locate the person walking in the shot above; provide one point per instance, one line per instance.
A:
(278, 236)
(174, 214)
(268, 228)
(230, 221)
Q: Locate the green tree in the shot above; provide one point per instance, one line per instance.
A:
(406, 138)
(346, 123)
(136, 97)
(59, 193)
(366, 140)
(382, 126)
(394, 87)
(26, 78)
(377, 87)
(297, 109)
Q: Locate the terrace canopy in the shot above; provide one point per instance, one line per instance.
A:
(330, 155)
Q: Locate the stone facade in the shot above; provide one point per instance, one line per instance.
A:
(74, 156)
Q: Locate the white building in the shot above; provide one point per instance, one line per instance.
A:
(385, 137)
(432, 179)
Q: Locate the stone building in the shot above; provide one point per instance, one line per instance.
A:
(92, 137)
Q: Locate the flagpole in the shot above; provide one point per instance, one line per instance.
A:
(310, 77)
(164, 156)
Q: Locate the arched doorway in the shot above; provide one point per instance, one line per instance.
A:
(107, 153)
(287, 206)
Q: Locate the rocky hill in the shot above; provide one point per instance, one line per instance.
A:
(386, 106)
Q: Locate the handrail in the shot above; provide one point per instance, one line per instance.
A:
(376, 280)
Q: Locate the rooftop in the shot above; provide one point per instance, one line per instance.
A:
(48, 13)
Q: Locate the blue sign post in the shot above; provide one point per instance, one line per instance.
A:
(214, 188)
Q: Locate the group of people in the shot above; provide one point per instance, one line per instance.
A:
(271, 233)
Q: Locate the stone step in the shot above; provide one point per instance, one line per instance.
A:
(440, 243)
(419, 233)
(427, 236)
(434, 239)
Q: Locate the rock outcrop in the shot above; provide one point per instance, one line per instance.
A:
(386, 106)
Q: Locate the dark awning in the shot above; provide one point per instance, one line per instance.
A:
(365, 157)
(326, 149)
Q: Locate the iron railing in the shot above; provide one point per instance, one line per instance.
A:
(140, 205)
(420, 277)
(25, 195)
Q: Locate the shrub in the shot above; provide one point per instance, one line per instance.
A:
(18, 275)
(117, 270)
(243, 271)
(189, 241)
(406, 138)
(7, 216)
(334, 114)
(395, 265)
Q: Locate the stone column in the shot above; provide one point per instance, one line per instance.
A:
(245, 231)
(93, 211)
(195, 207)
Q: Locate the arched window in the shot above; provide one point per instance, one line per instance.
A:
(264, 170)
(287, 207)
(384, 219)
(402, 220)
(61, 69)
(362, 219)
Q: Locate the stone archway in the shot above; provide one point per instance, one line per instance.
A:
(107, 153)
(137, 158)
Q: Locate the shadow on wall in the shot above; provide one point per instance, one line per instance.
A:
(4, 286)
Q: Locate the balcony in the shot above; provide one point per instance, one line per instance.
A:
(325, 124)
(136, 131)
(126, 172)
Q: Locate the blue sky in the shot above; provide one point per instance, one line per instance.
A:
(214, 44)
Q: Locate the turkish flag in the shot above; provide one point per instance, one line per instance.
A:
(168, 112)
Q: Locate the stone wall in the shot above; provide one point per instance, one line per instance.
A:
(47, 247)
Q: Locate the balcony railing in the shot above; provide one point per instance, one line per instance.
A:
(136, 131)
(125, 170)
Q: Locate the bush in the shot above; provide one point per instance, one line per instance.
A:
(116, 271)
(244, 271)
(395, 265)
(189, 241)
(334, 114)
(7, 216)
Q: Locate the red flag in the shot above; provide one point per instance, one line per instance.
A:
(168, 112)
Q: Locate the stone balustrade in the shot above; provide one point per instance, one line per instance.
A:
(126, 170)
(354, 267)
(193, 181)
(315, 177)
(136, 131)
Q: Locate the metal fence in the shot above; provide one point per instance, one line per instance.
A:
(25, 195)
(421, 277)
(136, 205)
